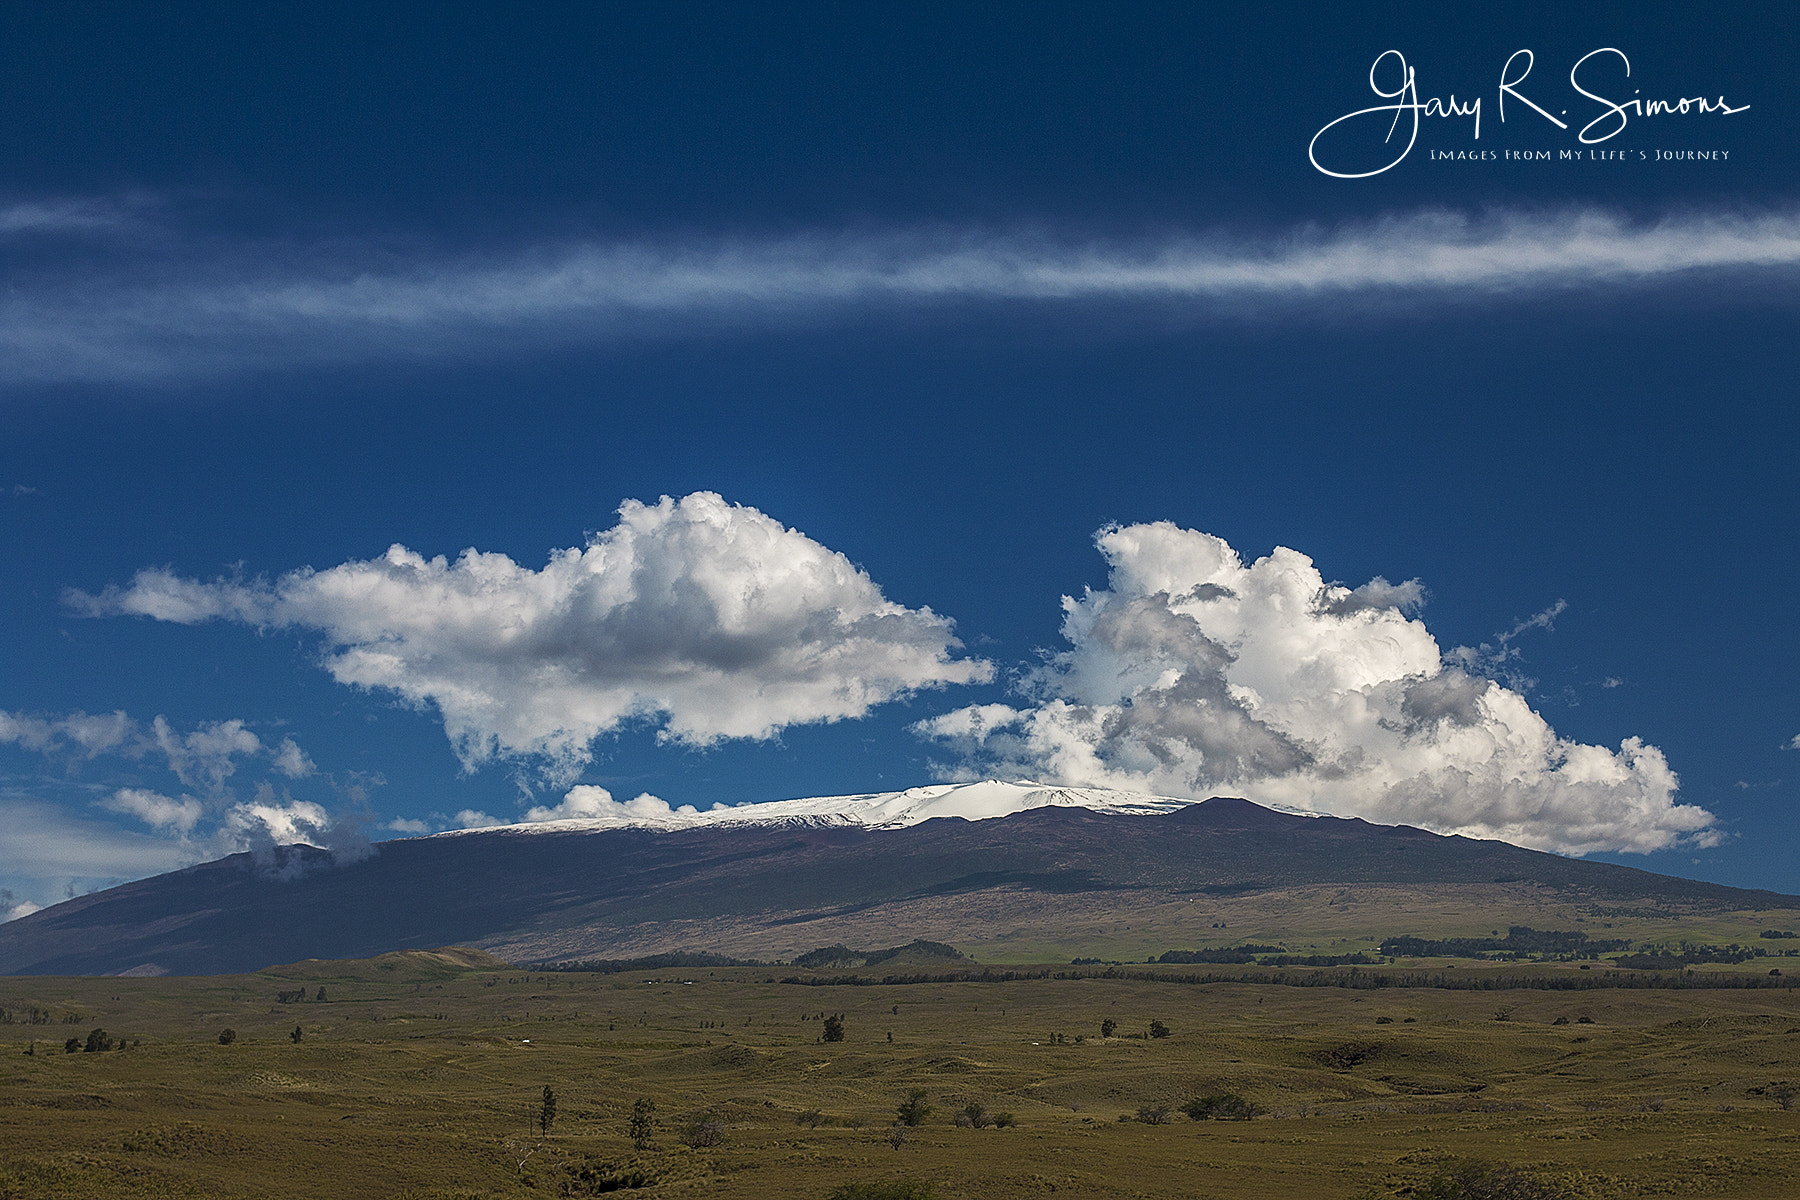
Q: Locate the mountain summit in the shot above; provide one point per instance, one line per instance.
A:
(1026, 868)
(983, 801)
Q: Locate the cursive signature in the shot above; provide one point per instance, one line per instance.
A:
(1407, 107)
(1406, 100)
(1643, 108)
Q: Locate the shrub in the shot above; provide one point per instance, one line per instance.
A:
(227, 1036)
(913, 1110)
(1487, 1181)
(1384, 1020)
(296, 1035)
(702, 1132)
(834, 1028)
(1108, 1027)
(1228, 1106)
(98, 1040)
(1004, 1120)
(72, 1046)
(1159, 1030)
(897, 1135)
(1154, 1114)
(1346, 1055)
(891, 1189)
(812, 1118)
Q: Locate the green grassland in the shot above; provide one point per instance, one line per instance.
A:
(419, 1074)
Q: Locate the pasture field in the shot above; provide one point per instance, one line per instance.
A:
(421, 1075)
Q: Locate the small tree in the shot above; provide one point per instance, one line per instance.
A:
(643, 1122)
(72, 1046)
(227, 1036)
(973, 1115)
(898, 1134)
(98, 1040)
(1159, 1030)
(1154, 1114)
(1108, 1027)
(321, 994)
(913, 1110)
(546, 1110)
(834, 1028)
(296, 1035)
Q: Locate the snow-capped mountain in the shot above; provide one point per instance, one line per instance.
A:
(1062, 867)
(983, 801)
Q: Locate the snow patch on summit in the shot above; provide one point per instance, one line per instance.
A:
(981, 801)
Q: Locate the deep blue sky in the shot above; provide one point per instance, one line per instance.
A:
(1604, 420)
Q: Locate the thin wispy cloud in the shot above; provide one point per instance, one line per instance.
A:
(62, 216)
(219, 308)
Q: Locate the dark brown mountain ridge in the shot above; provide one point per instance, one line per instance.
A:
(535, 894)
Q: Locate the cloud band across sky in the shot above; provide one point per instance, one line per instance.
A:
(174, 310)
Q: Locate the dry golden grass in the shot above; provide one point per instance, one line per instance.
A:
(419, 1076)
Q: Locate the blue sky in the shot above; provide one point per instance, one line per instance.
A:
(1025, 399)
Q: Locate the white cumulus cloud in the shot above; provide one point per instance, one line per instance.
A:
(12, 907)
(205, 756)
(155, 809)
(709, 617)
(1194, 673)
(588, 802)
(202, 757)
(268, 821)
(89, 735)
(291, 760)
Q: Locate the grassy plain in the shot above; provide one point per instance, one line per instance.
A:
(1020, 925)
(418, 1076)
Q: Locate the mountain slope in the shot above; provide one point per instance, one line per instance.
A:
(549, 891)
